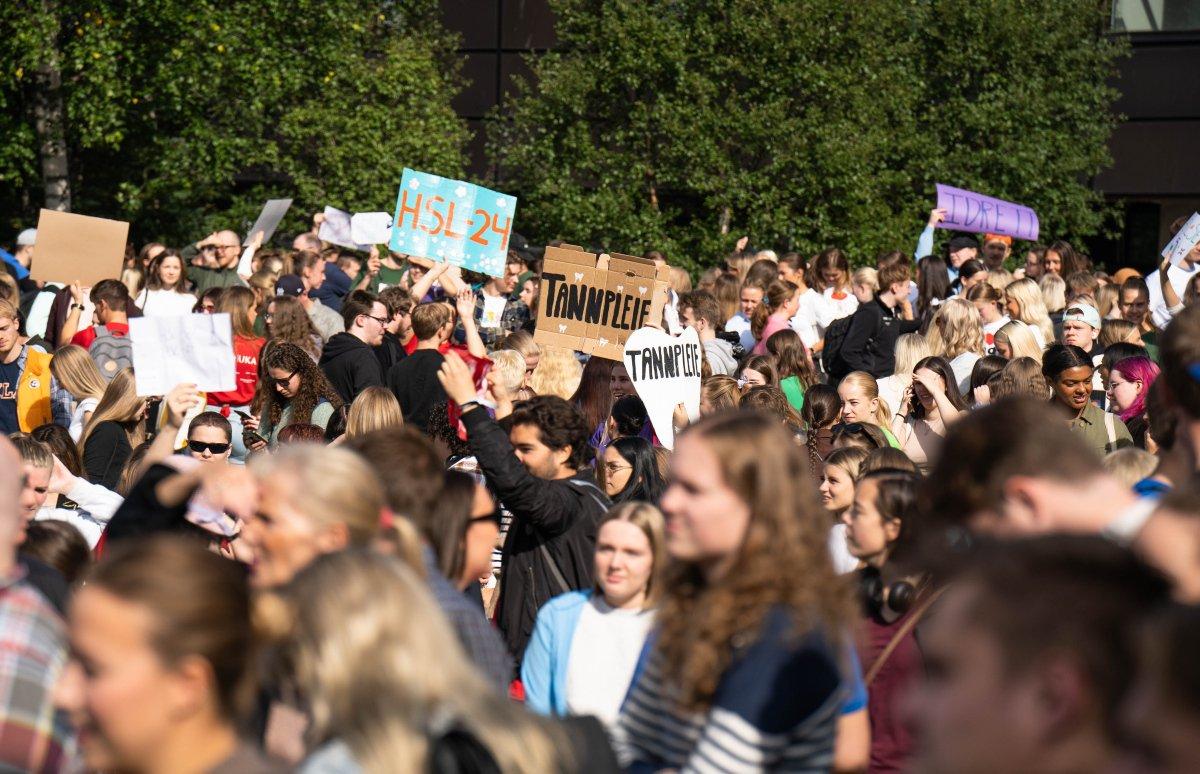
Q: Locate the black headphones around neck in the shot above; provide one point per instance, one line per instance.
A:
(878, 597)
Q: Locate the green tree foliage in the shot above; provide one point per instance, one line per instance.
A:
(185, 115)
(681, 124)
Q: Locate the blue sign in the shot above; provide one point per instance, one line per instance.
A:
(451, 221)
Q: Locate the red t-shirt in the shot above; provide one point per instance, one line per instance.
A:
(85, 337)
(410, 346)
(245, 356)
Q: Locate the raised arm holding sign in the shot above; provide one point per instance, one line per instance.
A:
(979, 214)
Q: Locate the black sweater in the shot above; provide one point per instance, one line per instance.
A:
(870, 344)
(350, 366)
(105, 454)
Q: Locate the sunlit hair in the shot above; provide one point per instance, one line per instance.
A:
(868, 276)
(1113, 331)
(985, 291)
(1019, 337)
(326, 485)
(558, 373)
(721, 392)
(195, 604)
(1106, 299)
(237, 302)
(830, 258)
(791, 357)
(763, 364)
(910, 347)
(869, 387)
(1054, 292)
(849, 459)
(375, 408)
(728, 291)
(955, 329)
(77, 373)
(649, 519)
(133, 278)
(314, 386)
(520, 341)
(382, 670)
(509, 367)
(1137, 369)
(1031, 307)
(1022, 377)
(121, 404)
(290, 323)
(771, 400)
(700, 622)
(776, 295)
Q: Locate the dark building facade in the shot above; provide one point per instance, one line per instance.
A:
(1155, 176)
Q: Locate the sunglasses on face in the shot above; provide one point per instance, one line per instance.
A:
(200, 447)
(284, 381)
(493, 517)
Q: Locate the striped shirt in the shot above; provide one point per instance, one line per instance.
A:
(776, 708)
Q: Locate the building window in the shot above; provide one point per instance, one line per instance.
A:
(1155, 15)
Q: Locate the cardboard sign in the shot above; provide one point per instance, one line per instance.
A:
(452, 221)
(268, 220)
(195, 348)
(1177, 249)
(665, 371)
(335, 230)
(979, 214)
(371, 228)
(593, 303)
(78, 247)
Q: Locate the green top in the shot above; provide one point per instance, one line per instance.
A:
(204, 278)
(320, 418)
(793, 390)
(890, 436)
(386, 277)
(1091, 426)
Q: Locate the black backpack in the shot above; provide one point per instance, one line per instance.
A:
(831, 359)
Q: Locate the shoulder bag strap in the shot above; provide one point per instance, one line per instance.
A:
(900, 634)
(1110, 428)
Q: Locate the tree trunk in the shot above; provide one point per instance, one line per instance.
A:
(50, 124)
(723, 220)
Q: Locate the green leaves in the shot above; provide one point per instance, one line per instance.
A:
(812, 124)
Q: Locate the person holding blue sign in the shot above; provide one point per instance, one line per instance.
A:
(497, 313)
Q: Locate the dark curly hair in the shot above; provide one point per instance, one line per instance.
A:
(313, 384)
(560, 425)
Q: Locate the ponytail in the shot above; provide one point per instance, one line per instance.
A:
(776, 295)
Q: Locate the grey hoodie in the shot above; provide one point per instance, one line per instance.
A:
(720, 357)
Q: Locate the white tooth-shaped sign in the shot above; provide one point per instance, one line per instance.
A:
(665, 371)
(579, 276)
(620, 288)
(562, 329)
(603, 341)
(642, 290)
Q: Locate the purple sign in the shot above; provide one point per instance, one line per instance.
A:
(969, 211)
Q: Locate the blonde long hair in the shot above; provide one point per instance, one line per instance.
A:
(954, 329)
(1031, 307)
(121, 404)
(375, 408)
(1054, 292)
(699, 620)
(383, 672)
(238, 302)
(1020, 340)
(911, 348)
(557, 373)
(75, 370)
(870, 388)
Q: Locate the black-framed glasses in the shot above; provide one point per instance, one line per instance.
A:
(284, 381)
(201, 446)
(381, 320)
(493, 517)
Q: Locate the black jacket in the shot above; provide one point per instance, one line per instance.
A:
(870, 344)
(562, 515)
(389, 352)
(350, 365)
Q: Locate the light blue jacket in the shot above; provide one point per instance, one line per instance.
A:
(544, 668)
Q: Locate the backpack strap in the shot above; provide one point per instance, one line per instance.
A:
(900, 634)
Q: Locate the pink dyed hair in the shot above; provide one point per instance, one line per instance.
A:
(1133, 369)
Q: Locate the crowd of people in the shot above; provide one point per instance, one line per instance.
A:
(938, 513)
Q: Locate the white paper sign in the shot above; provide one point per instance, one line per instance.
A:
(268, 220)
(336, 230)
(196, 348)
(493, 311)
(1183, 242)
(665, 371)
(371, 228)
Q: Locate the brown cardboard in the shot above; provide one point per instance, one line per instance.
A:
(592, 303)
(78, 247)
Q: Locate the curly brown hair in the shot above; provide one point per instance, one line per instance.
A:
(313, 385)
(290, 323)
(783, 560)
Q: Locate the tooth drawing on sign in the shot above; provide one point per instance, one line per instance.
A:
(562, 329)
(641, 290)
(603, 341)
(579, 276)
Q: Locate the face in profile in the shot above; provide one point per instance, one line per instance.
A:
(282, 538)
(706, 519)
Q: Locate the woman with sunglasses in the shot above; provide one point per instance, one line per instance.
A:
(291, 390)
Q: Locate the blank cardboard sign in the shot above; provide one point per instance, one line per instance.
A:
(78, 247)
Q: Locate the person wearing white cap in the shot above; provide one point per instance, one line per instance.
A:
(1081, 328)
(25, 240)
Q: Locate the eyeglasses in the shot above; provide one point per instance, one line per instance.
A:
(381, 320)
(493, 517)
(284, 381)
(200, 447)
(615, 467)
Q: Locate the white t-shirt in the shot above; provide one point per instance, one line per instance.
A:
(604, 653)
(843, 560)
(989, 333)
(1179, 276)
(740, 324)
(805, 321)
(891, 390)
(165, 303)
(83, 407)
(831, 308)
(962, 367)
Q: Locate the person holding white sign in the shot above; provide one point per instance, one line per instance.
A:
(1169, 282)
(166, 287)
